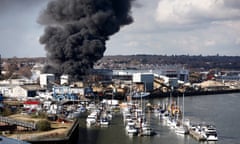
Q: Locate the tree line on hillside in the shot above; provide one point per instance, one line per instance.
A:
(191, 62)
(24, 65)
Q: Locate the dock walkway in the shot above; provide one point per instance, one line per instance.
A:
(10, 121)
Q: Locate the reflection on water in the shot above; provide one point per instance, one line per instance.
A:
(220, 110)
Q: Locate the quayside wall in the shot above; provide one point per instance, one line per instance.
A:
(158, 94)
(70, 138)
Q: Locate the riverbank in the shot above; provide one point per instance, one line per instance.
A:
(157, 94)
(60, 133)
(69, 137)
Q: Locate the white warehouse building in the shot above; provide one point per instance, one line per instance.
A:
(46, 80)
(146, 78)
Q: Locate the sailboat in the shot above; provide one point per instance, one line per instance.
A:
(181, 129)
(146, 129)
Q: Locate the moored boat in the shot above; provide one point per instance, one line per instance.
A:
(146, 130)
(91, 119)
(181, 129)
(131, 130)
(197, 133)
(210, 132)
(138, 95)
(104, 121)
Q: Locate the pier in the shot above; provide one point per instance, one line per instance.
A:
(28, 125)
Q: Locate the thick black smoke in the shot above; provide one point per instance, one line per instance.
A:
(76, 32)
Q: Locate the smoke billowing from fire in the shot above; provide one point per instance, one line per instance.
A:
(76, 32)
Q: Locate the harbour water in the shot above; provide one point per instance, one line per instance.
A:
(221, 110)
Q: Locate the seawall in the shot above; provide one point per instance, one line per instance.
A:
(70, 138)
(158, 94)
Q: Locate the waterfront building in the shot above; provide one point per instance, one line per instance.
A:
(171, 71)
(229, 76)
(47, 80)
(23, 92)
(32, 105)
(170, 74)
(96, 75)
(65, 93)
(5, 90)
(6, 86)
(0, 66)
(145, 78)
(64, 80)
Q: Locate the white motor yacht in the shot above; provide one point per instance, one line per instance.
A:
(181, 129)
(210, 132)
(104, 121)
(131, 130)
(146, 130)
(91, 119)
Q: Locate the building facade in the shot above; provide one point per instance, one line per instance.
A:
(0, 66)
(47, 80)
(145, 78)
(23, 92)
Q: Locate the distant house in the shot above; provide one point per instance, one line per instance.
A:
(23, 92)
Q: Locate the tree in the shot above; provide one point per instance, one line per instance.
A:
(25, 71)
(43, 125)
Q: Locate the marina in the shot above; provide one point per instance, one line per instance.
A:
(198, 109)
(196, 119)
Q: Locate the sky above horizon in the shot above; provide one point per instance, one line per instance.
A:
(160, 27)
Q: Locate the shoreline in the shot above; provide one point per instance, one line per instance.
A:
(61, 133)
(70, 137)
(192, 93)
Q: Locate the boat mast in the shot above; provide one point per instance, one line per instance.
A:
(183, 108)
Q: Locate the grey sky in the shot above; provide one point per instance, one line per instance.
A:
(19, 30)
(193, 27)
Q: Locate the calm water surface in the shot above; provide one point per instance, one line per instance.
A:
(220, 110)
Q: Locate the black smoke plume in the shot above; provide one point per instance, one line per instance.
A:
(76, 32)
